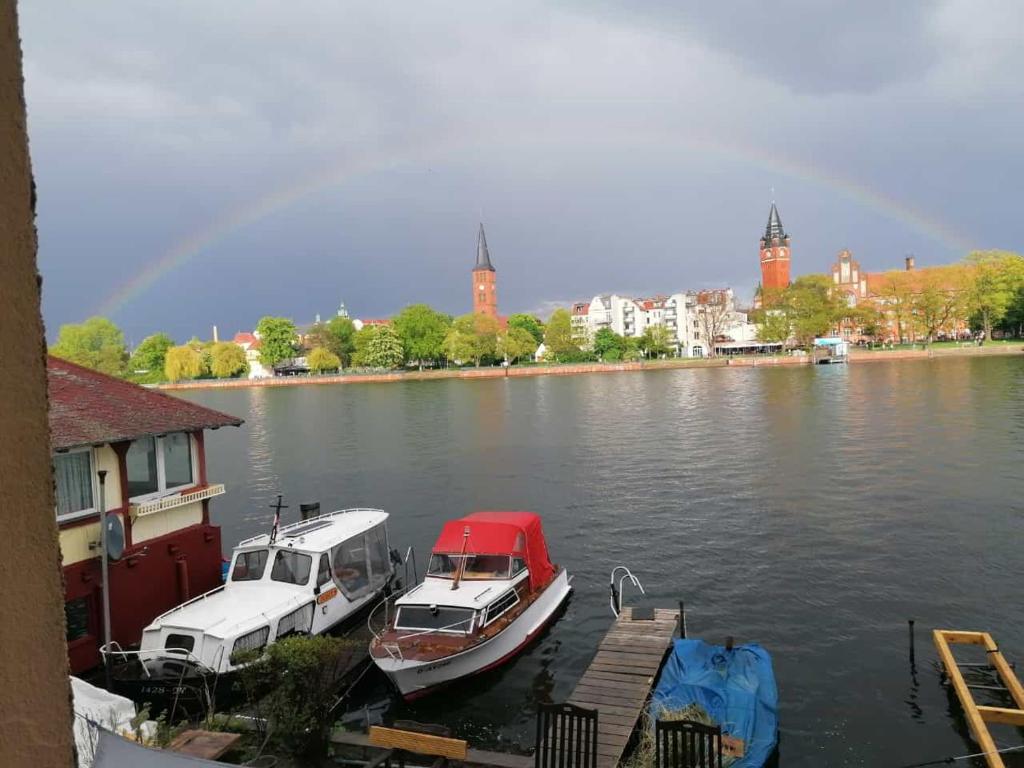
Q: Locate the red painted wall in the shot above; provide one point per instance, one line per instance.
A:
(143, 584)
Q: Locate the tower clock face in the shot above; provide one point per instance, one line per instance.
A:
(481, 286)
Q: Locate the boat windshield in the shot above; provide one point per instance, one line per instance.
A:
(249, 566)
(438, 618)
(477, 566)
(291, 567)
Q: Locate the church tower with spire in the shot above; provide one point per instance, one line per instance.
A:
(485, 288)
(774, 254)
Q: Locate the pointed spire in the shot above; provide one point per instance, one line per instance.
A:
(774, 228)
(483, 258)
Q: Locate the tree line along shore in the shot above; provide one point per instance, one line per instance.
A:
(987, 290)
(902, 353)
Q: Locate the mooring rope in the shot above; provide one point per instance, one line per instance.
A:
(948, 760)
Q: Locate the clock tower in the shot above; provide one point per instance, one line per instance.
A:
(774, 255)
(485, 289)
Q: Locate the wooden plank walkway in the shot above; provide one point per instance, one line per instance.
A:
(620, 677)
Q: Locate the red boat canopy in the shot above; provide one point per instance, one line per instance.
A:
(501, 533)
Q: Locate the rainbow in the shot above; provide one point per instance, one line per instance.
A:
(260, 208)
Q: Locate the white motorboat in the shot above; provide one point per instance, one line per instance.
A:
(305, 578)
(489, 590)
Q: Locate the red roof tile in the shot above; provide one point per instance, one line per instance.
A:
(89, 408)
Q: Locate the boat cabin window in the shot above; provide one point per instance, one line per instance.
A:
(184, 643)
(518, 565)
(291, 567)
(251, 641)
(438, 618)
(477, 566)
(499, 606)
(323, 573)
(249, 566)
(361, 564)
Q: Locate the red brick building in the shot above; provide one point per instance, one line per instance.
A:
(485, 283)
(774, 255)
(151, 447)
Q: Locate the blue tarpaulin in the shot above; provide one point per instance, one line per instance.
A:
(736, 688)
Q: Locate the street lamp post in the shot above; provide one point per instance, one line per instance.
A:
(106, 575)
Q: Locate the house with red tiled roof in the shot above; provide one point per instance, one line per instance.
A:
(141, 455)
(250, 344)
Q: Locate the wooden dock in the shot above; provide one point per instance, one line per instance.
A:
(619, 679)
(979, 717)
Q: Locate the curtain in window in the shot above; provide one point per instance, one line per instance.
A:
(73, 476)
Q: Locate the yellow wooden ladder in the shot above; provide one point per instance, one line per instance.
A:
(978, 716)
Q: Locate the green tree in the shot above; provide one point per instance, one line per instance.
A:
(97, 343)
(146, 365)
(472, 337)
(183, 362)
(773, 325)
(338, 337)
(227, 359)
(812, 308)
(321, 359)
(277, 340)
(378, 346)
(528, 323)
(515, 343)
(558, 341)
(656, 340)
(938, 298)
(608, 345)
(422, 331)
(995, 278)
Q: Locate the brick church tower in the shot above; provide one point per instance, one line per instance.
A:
(774, 255)
(485, 289)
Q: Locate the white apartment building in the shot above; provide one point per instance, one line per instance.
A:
(680, 312)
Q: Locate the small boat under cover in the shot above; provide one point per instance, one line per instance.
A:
(734, 686)
(489, 590)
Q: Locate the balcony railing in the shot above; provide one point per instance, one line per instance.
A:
(177, 500)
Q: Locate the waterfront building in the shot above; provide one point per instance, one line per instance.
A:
(485, 282)
(892, 296)
(152, 448)
(696, 320)
(250, 344)
(775, 256)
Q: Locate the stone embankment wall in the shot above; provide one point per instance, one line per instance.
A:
(857, 356)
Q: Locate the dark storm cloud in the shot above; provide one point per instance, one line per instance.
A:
(806, 45)
(606, 147)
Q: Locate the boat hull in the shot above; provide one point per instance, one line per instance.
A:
(414, 679)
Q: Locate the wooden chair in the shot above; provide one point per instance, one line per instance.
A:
(687, 744)
(566, 737)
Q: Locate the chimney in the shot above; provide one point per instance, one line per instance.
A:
(215, 339)
(910, 263)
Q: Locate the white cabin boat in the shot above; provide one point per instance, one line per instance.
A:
(490, 589)
(313, 576)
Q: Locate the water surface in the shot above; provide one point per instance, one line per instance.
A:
(811, 510)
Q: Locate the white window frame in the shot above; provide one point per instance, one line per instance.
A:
(93, 510)
(161, 477)
(488, 619)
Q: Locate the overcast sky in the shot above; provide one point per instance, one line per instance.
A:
(204, 163)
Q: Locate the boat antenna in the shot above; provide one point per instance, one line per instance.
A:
(462, 559)
(277, 506)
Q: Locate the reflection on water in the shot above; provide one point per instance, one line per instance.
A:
(811, 510)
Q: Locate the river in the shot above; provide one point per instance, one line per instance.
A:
(811, 510)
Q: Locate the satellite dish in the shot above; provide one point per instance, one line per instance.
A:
(115, 537)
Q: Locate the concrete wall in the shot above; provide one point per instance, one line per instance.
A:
(35, 697)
